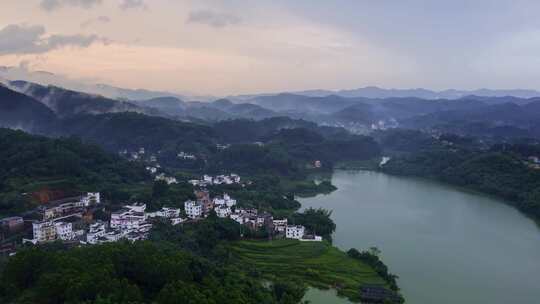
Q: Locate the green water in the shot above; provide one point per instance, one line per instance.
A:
(447, 245)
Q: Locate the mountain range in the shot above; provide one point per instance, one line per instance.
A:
(34, 107)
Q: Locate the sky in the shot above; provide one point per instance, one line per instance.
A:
(240, 47)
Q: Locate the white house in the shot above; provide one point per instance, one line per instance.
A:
(129, 217)
(235, 178)
(113, 236)
(177, 220)
(223, 211)
(136, 207)
(95, 231)
(168, 179)
(295, 232)
(193, 209)
(91, 198)
(225, 200)
(165, 213)
(64, 231)
(44, 231)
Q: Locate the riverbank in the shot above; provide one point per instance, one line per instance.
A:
(500, 175)
(445, 244)
(317, 264)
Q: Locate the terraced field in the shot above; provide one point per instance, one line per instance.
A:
(318, 264)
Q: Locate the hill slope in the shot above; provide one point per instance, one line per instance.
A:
(19, 111)
(33, 163)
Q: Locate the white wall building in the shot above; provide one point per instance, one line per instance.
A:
(44, 231)
(168, 179)
(128, 218)
(225, 200)
(193, 209)
(165, 213)
(223, 211)
(91, 198)
(177, 220)
(96, 231)
(64, 231)
(295, 232)
(136, 207)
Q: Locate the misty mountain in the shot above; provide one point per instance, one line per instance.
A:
(129, 130)
(221, 109)
(67, 103)
(498, 114)
(303, 104)
(170, 105)
(243, 110)
(47, 78)
(376, 92)
(18, 111)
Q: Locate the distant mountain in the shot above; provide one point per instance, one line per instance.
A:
(496, 120)
(242, 110)
(304, 104)
(18, 111)
(376, 92)
(129, 130)
(67, 103)
(46, 78)
(170, 105)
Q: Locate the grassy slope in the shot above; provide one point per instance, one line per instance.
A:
(318, 264)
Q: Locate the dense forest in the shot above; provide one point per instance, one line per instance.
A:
(34, 163)
(142, 272)
(281, 146)
(497, 171)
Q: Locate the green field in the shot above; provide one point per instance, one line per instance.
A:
(318, 264)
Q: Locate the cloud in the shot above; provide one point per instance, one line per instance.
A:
(212, 18)
(51, 5)
(100, 19)
(132, 4)
(25, 39)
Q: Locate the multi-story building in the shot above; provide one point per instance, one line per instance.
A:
(223, 211)
(295, 232)
(44, 231)
(96, 231)
(64, 231)
(193, 209)
(225, 200)
(165, 213)
(91, 198)
(129, 217)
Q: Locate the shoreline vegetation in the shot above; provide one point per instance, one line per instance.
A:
(272, 187)
(499, 175)
(317, 264)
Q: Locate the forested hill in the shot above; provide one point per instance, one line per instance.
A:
(66, 103)
(278, 145)
(22, 112)
(497, 172)
(130, 130)
(31, 164)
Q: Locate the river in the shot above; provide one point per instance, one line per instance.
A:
(446, 245)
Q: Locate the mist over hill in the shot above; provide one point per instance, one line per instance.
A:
(36, 108)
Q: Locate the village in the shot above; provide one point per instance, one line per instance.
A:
(71, 220)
